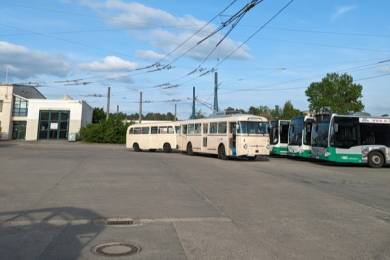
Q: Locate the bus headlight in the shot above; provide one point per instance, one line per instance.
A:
(268, 146)
(327, 154)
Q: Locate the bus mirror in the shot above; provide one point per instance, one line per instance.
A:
(336, 128)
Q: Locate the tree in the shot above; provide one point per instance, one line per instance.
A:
(276, 112)
(112, 130)
(153, 116)
(337, 92)
(264, 111)
(289, 111)
(199, 114)
(98, 115)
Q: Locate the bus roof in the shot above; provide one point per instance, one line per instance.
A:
(367, 119)
(304, 117)
(232, 117)
(155, 123)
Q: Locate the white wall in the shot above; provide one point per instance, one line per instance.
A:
(87, 113)
(75, 108)
(6, 114)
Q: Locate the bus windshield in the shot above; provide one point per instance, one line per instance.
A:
(252, 127)
(295, 131)
(319, 134)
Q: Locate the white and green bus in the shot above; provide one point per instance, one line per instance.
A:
(279, 136)
(299, 137)
(352, 139)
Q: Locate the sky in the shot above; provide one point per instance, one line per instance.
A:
(104, 42)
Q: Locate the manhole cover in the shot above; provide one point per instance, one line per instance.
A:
(116, 249)
(119, 221)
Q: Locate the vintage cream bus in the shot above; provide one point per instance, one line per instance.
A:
(152, 136)
(226, 136)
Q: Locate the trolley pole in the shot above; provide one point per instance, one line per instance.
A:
(108, 102)
(117, 109)
(140, 107)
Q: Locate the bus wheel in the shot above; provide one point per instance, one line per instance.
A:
(167, 148)
(136, 147)
(376, 159)
(189, 149)
(221, 152)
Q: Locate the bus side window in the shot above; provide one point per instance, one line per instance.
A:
(213, 128)
(131, 131)
(205, 128)
(170, 130)
(162, 130)
(137, 130)
(154, 130)
(177, 129)
(145, 130)
(184, 129)
(222, 128)
(191, 129)
(198, 128)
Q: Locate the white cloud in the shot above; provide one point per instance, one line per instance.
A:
(149, 55)
(109, 64)
(342, 10)
(173, 29)
(23, 63)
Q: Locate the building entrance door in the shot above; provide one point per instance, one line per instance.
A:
(53, 125)
(18, 130)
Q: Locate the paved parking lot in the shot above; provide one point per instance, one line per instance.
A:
(54, 198)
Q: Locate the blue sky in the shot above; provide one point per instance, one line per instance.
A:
(103, 41)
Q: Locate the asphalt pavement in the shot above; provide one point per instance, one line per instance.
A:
(56, 199)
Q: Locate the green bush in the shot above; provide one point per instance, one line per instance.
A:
(112, 131)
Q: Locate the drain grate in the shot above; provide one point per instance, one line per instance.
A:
(113, 249)
(119, 221)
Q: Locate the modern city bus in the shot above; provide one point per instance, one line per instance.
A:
(226, 136)
(152, 136)
(352, 139)
(279, 136)
(299, 137)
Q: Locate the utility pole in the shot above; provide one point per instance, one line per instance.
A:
(175, 111)
(108, 102)
(117, 109)
(215, 108)
(193, 103)
(140, 107)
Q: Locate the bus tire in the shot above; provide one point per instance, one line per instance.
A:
(189, 149)
(376, 159)
(136, 147)
(167, 148)
(221, 152)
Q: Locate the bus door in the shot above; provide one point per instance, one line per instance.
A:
(233, 137)
(205, 131)
(283, 132)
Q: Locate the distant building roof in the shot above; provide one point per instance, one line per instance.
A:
(28, 92)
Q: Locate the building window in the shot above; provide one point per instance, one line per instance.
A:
(19, 107)
(1, 105)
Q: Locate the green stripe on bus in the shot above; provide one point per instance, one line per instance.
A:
(279, 150)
